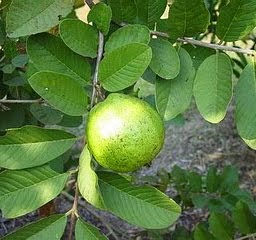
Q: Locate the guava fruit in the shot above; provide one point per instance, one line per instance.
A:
(124, 133)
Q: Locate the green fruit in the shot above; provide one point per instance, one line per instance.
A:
(124, 133)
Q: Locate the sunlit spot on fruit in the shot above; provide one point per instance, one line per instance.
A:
(111, 127)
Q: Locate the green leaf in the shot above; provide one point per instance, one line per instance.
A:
(24, 191)
(150, 11)
(20, 60)
(236, 20)
(124, 66)
(143, 206)
(79, 37)
(60, 91)
(195, 182)
(212, 180)
(250, 143)
(188, 18)
(47, 52)
(45, 114)
(123, 10)
(201, 233)
(31, 146)
(174, 96)
(101, 15)
(71, 121)
(26, 17)
(245, 93)
(165, 60)
(213, 87)
(88, 180)
(229, 179)
(87, 231)
(243, 218)
(126, 35)
(181, 233)
(47, 228)
(221, 227)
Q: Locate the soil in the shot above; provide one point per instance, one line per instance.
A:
(194, 145)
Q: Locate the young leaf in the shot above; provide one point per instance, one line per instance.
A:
(24, 191)
(45, 114)
(79, 37)
(123, 67)
(221, 227)
(126, 35)
(88, 180)
(150, 11)
(123, 10)
(188, 18)
(101, 15)
(47, 228)
(87, 231)
(165, 60)
(27, 17)
(31, 146)
(173, 97)
(49, 53)
(60, 91)
(201, 233)
(143, 206)
(245, 113)
(243, 218)
(213, 87)
(236, 20)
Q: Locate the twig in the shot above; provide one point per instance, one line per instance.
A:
(96, 72)
(20, 101)
(90, 3)
(206, 44)
(73, 213)
(83, 204)
(247, 236)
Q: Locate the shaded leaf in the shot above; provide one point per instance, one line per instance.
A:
(20, 60)
(229, 179)
(88, 180)
(165, 60)
(124, 66)
(71, 121)
(202, 233)
(31, 146)
(213, 87)
(236, 20)
(143, 206)
(60, 91)
(47, 52)
(47, 228)
(79, 37)
(24, 191)
(212, 180)
(26, 17)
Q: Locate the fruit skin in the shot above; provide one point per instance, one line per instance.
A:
(124, 133)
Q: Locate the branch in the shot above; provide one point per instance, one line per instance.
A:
(96, 72)
(207, 45)
(247, 236)
(20, 101)
(90, 3)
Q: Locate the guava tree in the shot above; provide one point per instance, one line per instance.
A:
(56, 68)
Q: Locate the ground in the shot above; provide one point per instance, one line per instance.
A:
(194, 145)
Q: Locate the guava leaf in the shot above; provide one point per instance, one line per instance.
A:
(243, 218)
(47, 228)
(88, 180)
(87, 231)
(245, 93)
(79, 37)
(174, 96)
(31, 146)
(123, 10)
(27, 17)
(213, 87)
(126, 35)
(101, 15)
(60, 91)
(165, 60)
(124, 66)
(23, 191)
(188, 18)
(202, 233)
(145, 206)
(49, 53)
(150, 11)
(221, 227)
(236, 20)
